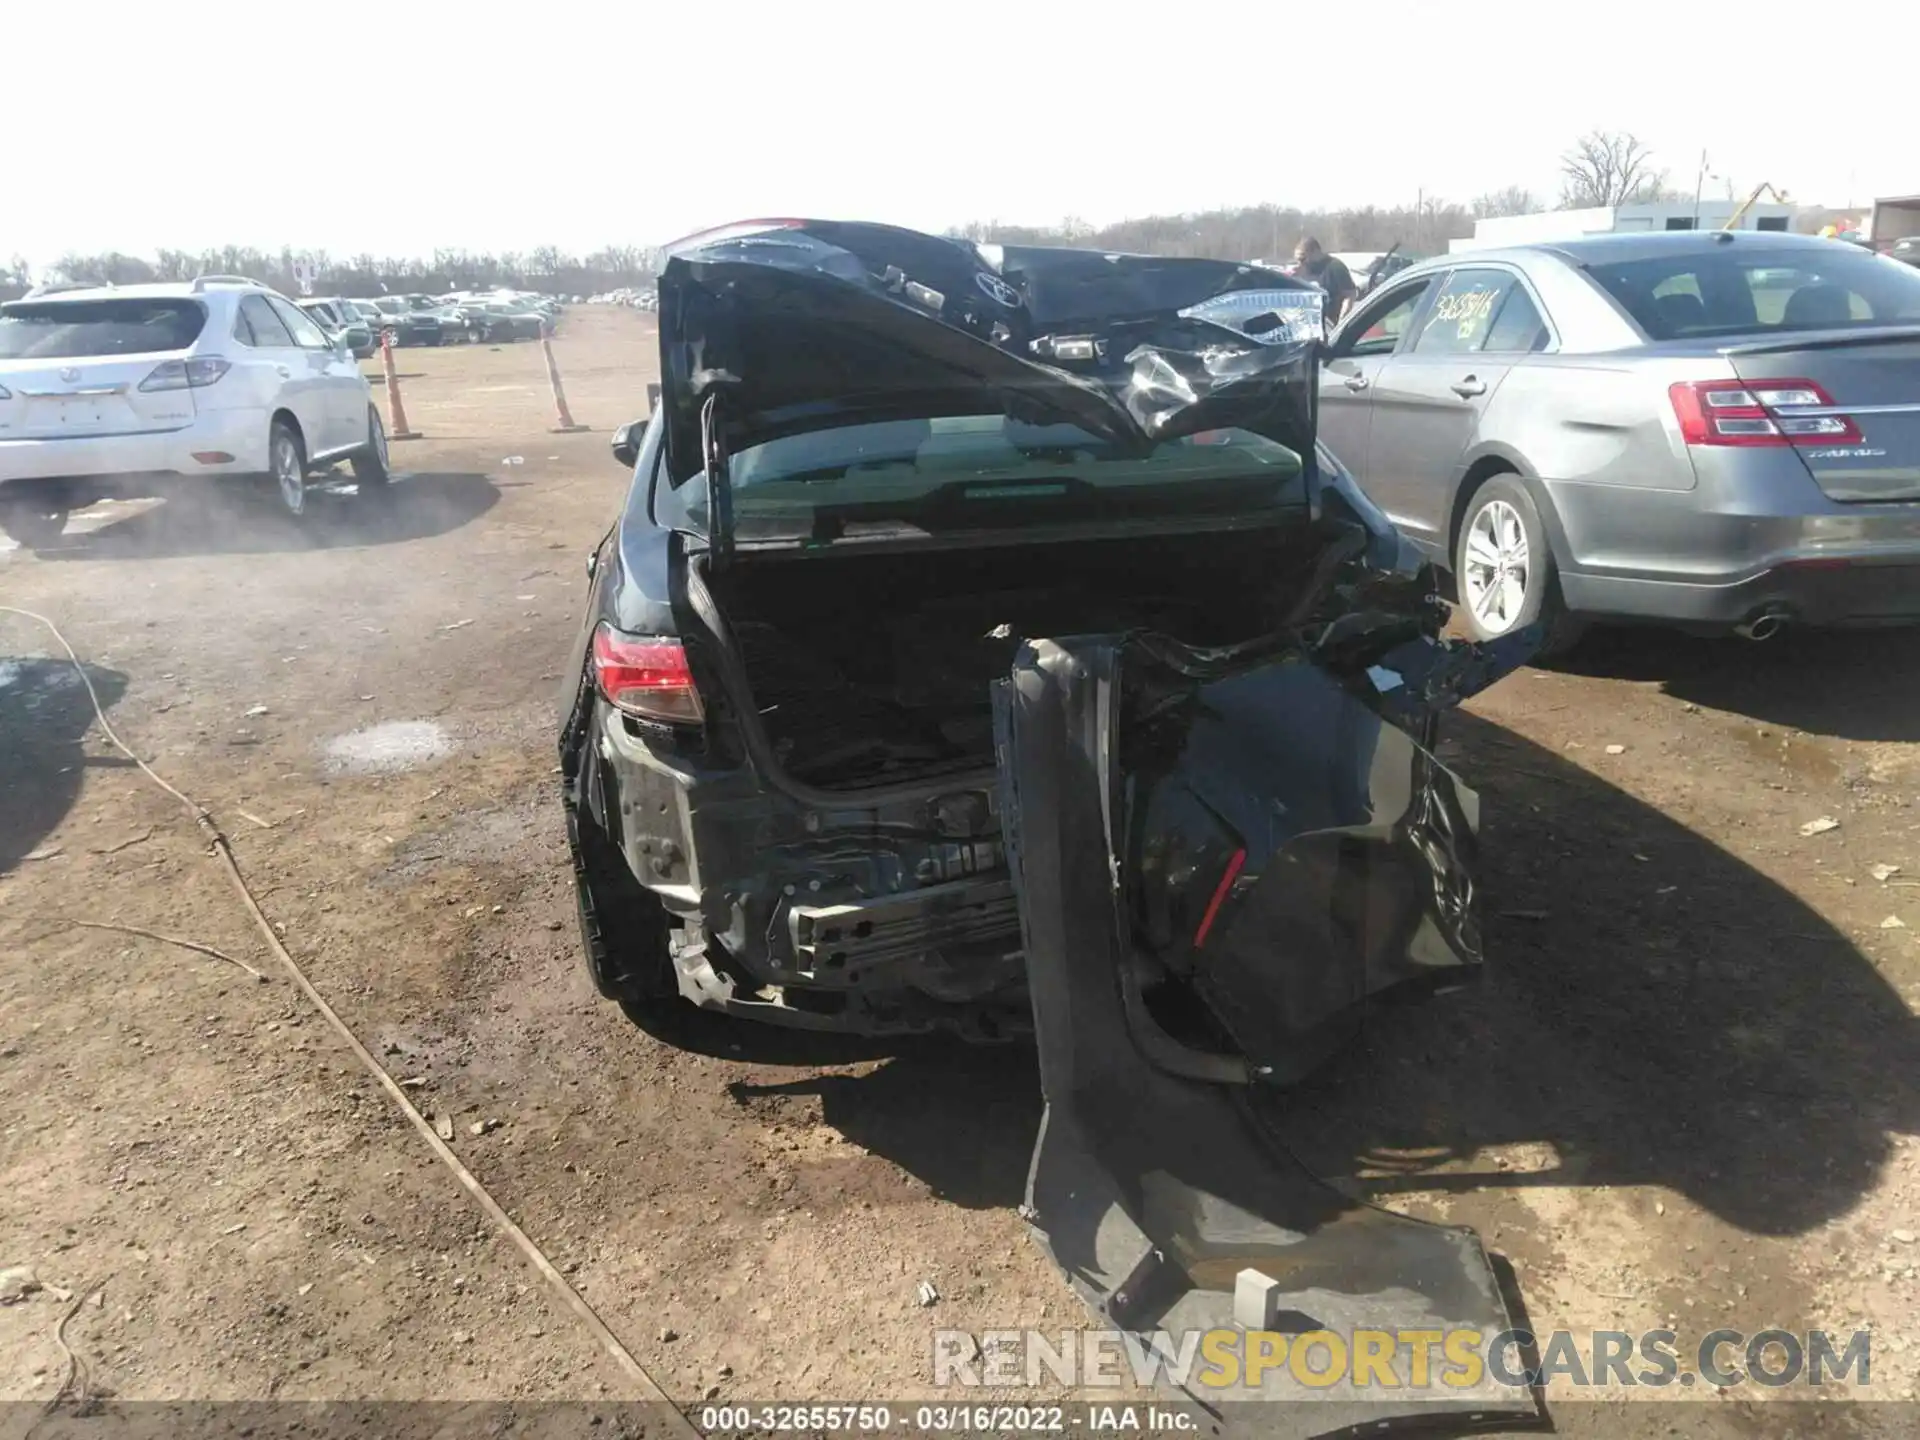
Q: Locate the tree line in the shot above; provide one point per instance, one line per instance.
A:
(547, 270)
(1602, 167)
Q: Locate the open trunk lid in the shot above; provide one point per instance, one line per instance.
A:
(777, 330)
(1851, 400)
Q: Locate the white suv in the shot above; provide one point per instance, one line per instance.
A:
(110, 391)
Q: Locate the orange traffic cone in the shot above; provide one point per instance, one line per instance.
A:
(566, 424)
(397, 427)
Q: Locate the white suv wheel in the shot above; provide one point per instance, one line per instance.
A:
(289, 470)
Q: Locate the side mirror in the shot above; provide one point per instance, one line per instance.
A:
(626, 443)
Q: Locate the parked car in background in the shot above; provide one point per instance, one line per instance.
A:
(406, 322)
(1906, 250)
(344, 323)
(456, 324)
(117, 391)
(1719, 430)
(1384, 266)
(496, 320)
(370, 315)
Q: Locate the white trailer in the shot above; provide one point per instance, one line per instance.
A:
(1894, 218)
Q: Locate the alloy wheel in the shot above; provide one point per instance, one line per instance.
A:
(290, 473)
(1498, 568)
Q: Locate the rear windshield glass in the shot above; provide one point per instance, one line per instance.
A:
(1735, 290)
(987, 472)
(73, 329)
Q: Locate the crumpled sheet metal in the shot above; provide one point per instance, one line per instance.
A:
(1151, 1190)
(787, 322)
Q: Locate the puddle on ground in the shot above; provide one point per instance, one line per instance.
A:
(524, 832)
(388, 749)
(1804, 755)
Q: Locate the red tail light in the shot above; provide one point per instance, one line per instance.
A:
(194, 374)
(1766, 412)
(645, 676)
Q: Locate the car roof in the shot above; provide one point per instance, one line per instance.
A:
(152, 290)
(1624, 245)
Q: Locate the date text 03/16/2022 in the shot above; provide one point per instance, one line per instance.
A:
(943, 1419)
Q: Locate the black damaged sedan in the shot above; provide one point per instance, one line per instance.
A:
(986, 644)
(882, 464)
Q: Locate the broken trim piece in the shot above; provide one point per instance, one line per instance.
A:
(1152, 1190)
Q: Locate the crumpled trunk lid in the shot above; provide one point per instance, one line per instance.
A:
(1253, 831)
(774, 329)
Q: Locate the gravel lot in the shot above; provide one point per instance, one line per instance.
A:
(1688, 1093)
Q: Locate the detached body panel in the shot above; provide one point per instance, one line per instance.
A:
(1154, 1184)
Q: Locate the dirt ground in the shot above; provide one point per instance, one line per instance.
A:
(1688, 1093)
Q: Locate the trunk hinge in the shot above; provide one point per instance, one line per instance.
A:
(713, 463)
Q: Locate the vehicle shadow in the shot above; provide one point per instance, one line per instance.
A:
(1850, 684)
(1676, 1020)
(207, 520)
(960, 1118)
(44, 713)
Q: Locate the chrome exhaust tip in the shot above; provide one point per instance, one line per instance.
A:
(1763, 626)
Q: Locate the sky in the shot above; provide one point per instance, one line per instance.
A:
(399, 127)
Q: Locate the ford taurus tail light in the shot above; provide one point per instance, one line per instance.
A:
(645, 676)
(185, 374)
(1762, 412)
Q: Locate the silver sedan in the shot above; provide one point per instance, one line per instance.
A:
(1718, 430)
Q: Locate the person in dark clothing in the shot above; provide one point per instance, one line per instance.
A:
(1313, 263)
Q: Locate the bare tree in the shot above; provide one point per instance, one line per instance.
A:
(1509, 200)
(1609, 167)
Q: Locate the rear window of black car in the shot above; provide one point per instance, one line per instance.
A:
(1731, 289)
(74, 329)
(989, 472)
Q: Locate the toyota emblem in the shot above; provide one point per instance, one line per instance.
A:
(997, 289)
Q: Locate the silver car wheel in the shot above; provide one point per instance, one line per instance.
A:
(289, 473)
(1498, 568)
